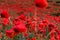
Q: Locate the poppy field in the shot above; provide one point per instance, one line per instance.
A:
(29, 19)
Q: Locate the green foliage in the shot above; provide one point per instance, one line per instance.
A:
(19, 37)
(47, 33)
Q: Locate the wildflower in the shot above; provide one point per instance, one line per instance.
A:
(51, 25)
(19, 28)
(45, 22)
(58, 37)
(42, 26)
(5, 21)
(4, 14)
(28, 38)
(10, 33)
(41, 3)
(16, 30)
(22, 17)
(33, 38)
(53, 38)
(16, 22)
(52, 34)
(25, 34)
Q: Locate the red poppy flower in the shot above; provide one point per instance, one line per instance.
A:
(22, 17)
(19, 28)
(33, 38)
(25, 34)
(52, 38)
(16, 30)
(16, 22)
(41, 3)
(4, 14)
(6, 21)
(42, 26)
(58, 37)
(52, 34)
(10, 33)
(28, 38)
(45, 22)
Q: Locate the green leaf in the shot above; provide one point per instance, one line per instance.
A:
(47, 32)
(31, 35)
(16, 38)
(19, 37)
